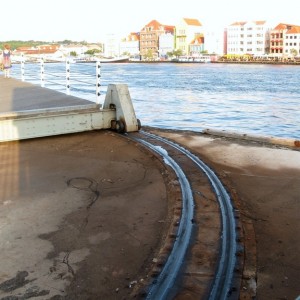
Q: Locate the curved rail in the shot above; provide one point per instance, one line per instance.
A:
(169, 274)
(227, 259)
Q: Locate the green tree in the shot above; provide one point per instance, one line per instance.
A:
(14, 44)
(294, 52)
(149, 55)
(92, 52)
(176, 53)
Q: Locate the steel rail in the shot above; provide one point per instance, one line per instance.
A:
(223, 278)
(165, 281)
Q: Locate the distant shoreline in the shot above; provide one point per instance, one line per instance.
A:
(297, 63)
(259, 62)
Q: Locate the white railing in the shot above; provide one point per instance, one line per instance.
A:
(71, 80)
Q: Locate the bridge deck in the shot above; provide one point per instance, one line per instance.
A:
(18, 97)
(29, 111)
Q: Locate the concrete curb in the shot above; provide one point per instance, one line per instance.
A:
(265, 139)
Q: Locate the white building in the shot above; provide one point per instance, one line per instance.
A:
(248, 38)
(130, 45)
(78, 49)
(291, 41)
(112, 45)
(214, 41)
(166, 44)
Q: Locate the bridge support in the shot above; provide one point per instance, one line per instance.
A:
(118, 98)
(117, 113)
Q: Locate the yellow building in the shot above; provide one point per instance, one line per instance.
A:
(186, 31)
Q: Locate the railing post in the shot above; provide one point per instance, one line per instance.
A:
(68, 76)
(22, 67)
(42, 72)
(98, 84)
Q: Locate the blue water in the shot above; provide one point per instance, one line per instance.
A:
(253, 99)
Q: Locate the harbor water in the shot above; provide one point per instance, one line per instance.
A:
(249, 99)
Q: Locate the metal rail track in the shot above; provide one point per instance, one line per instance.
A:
(222, 285)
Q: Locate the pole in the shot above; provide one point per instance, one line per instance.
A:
(68, 76)
(42, 72)
(22, 68)
(98, 84)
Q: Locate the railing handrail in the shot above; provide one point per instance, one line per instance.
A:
(42, 77)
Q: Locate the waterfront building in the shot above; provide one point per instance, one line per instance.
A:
(79, 49)
(248, 38)
(131, 45)
(149, 39)
(50, 51)
(38, 50)
(112, 45)
(214, 41)
(292, 42)
(185, 32)
(196, 46)
(285, 40)
(166, 44)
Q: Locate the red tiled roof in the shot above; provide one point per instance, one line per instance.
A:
(192, 22)
(238, 23)
(35, 51)
(24, 48)
(282, 26)
(242, 23)
(39, 49)
(198, 40)
(133, 36)
(294, 29)
(154, 24)
(169, 28)
(260, 22)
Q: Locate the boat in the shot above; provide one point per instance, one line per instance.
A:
(119, 59)
(193, 59)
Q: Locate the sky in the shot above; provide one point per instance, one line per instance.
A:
(92, 20)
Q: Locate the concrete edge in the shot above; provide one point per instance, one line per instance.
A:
(289, 142)
(50, 111)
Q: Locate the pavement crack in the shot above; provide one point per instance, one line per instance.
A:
(86, 184)
(66, 261)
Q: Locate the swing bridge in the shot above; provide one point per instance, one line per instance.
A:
(29, 110)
